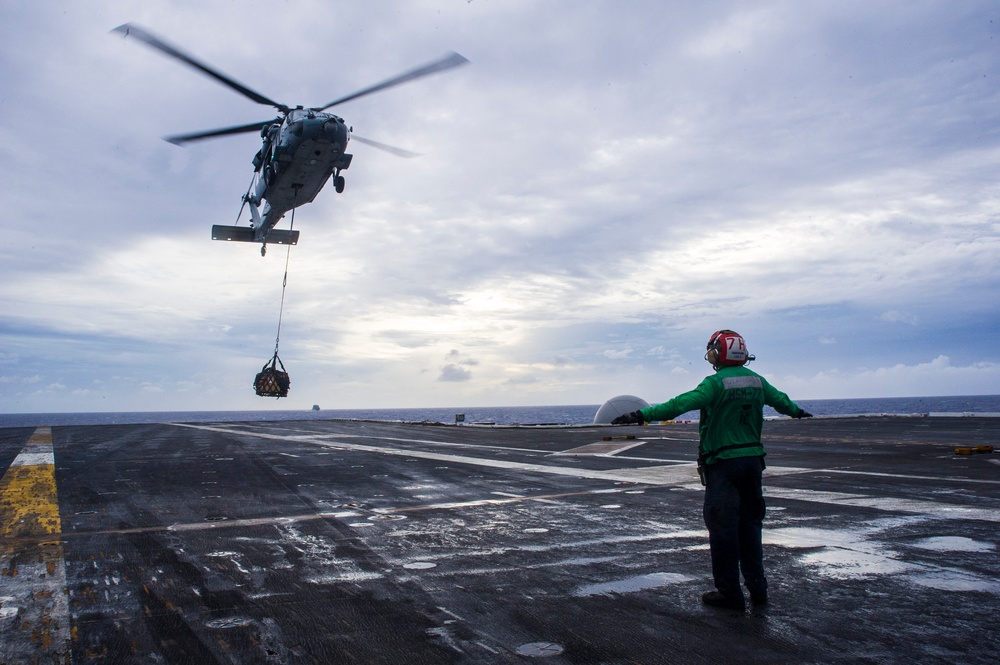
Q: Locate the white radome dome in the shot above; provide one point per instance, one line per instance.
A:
(618, 406)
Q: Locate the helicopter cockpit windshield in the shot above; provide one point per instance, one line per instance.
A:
(297, 114)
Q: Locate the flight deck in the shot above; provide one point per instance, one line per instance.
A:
(373, 542)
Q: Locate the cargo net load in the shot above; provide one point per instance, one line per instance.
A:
(271, 381)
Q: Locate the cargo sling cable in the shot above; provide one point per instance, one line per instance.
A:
(270, 381)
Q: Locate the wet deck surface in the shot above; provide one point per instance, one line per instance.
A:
(361, 542)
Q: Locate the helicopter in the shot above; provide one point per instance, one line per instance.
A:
(302, 148)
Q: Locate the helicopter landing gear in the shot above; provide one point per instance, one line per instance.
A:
(338, 183)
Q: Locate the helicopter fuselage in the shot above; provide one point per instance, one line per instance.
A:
(302, 147)
(298, 156)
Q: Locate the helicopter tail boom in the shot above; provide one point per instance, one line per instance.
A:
(248, 234)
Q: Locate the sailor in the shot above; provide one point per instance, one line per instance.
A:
(265, 155)
(730, 459)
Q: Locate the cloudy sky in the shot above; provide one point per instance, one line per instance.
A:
(605, 185)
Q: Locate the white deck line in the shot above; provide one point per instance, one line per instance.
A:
(682, 476)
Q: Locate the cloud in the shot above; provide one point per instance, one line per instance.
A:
(894, 316)
(454, 373)
(609, 186)
(738, 31)
(935, 377)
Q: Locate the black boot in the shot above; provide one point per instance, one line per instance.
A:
(716, 599)
(758, 596)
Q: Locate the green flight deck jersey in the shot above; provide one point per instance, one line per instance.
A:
(731, 402)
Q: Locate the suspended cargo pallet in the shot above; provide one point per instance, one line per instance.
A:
(271, 381)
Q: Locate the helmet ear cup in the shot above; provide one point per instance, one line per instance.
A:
(712, 356)
(712, 349)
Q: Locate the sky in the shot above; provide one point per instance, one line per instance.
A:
(600, 189)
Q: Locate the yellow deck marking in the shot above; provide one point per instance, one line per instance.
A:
(34, 607)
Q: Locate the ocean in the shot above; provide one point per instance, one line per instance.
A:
(980, 405)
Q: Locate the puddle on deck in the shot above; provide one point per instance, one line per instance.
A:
(632, 584)
(855, 553)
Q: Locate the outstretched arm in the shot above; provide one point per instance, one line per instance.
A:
(692, 400)
(781, 402)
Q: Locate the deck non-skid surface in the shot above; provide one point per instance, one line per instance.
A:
(364, 542)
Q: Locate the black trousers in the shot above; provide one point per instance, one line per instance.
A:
(734, 514)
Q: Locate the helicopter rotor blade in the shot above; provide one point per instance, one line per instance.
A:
(399, 152)
(130, 30)
(447, 62)
(181, 139)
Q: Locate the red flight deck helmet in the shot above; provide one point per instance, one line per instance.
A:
(727, 348)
